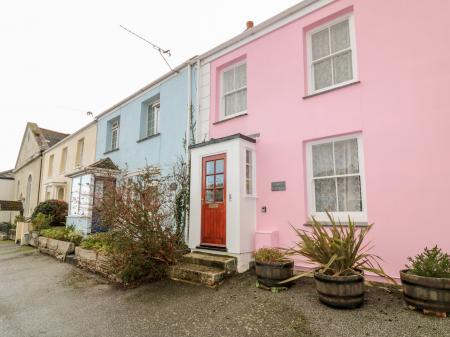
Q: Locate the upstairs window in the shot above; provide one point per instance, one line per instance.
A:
(80, 151)
(115, 135)
(153, 119)
(51, 159)
(331, 55)
(62, 166)
(336, 178)
(234, 90)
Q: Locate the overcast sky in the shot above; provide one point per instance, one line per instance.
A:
(60, 59)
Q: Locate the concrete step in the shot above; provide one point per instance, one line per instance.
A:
(226, 263)
(196, 273)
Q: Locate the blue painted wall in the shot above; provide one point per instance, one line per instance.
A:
(163, 150)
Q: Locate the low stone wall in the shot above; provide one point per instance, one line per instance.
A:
(93, 261)
(3, 236)
(34, 239)
(56, 248)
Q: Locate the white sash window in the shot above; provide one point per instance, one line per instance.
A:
(331, 55)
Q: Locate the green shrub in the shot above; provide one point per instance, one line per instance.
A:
(41, 221)
(97, 242)
(430, 263)
(338, 250)
(269, 255)
(143, 237)
(19, 218)
(56, 208)
(64, 234)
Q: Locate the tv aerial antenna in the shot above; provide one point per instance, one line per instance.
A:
(162, 52)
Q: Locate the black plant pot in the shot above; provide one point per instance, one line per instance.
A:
(345, 292)
(426, 293)
(271, 274)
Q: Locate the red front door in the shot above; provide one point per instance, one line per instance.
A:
(214, 201)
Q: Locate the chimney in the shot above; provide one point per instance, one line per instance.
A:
(250, 25)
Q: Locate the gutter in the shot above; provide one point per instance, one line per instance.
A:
(284, 15)
(149, 86)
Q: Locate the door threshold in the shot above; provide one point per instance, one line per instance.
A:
(212, 247)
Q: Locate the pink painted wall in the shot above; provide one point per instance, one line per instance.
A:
(401, 106)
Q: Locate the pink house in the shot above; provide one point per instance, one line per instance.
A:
(339, 105)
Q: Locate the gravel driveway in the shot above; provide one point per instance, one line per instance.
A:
(42, 297)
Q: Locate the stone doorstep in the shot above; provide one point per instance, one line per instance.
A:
(194, 273)
(223, 262)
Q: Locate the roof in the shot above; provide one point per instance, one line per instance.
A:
(223, 139)
(7, 175)
(280, 19)
(53, 137)
(6, 205)
(102, 167)
(46, 138)
(105, 163)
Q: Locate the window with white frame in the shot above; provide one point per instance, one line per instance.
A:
(331, 51)
(153, 119)
(80, 152)
(336, 178)
(249, 172)
(51, 160)
(234, 90)
(63, 163)
(81, 196)
(115, 125)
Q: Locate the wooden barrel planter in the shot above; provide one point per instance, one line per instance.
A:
(426, 293)
(271, 274)
(345, 292)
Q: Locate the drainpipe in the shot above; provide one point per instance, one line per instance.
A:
(197, 98)
(40, 178)
(188, 138)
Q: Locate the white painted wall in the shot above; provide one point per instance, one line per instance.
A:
(204, 103)
(7, 193)
(241, 210)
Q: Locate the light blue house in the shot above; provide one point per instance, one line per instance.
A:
(150, 126)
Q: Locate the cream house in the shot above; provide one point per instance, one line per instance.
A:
(27, 172)
(7, 194)
(69, 155)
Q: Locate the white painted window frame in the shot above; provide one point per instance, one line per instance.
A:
(63, 162)
(51, 162)
(311, 81)
(80, 153)
(253, 172)
(150, 108)
(222, 94)
(115, 128)
(360, 217)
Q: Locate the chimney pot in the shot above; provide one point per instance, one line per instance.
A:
(250, 24)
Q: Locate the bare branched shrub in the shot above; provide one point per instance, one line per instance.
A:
(142, 240)
(180, 203)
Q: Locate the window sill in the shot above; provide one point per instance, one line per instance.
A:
(331, 89)
(109, 151)
(148, 137)
(242, 114)
(343, 223)
(250, 196)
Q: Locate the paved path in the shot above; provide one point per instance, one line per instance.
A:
(40, 296)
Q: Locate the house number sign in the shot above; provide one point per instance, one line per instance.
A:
(279, 186)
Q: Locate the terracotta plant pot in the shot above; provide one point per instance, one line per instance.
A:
(271, 274)
(426, 293)
(340, 291)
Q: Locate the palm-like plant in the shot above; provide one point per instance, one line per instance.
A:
(338, 250)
